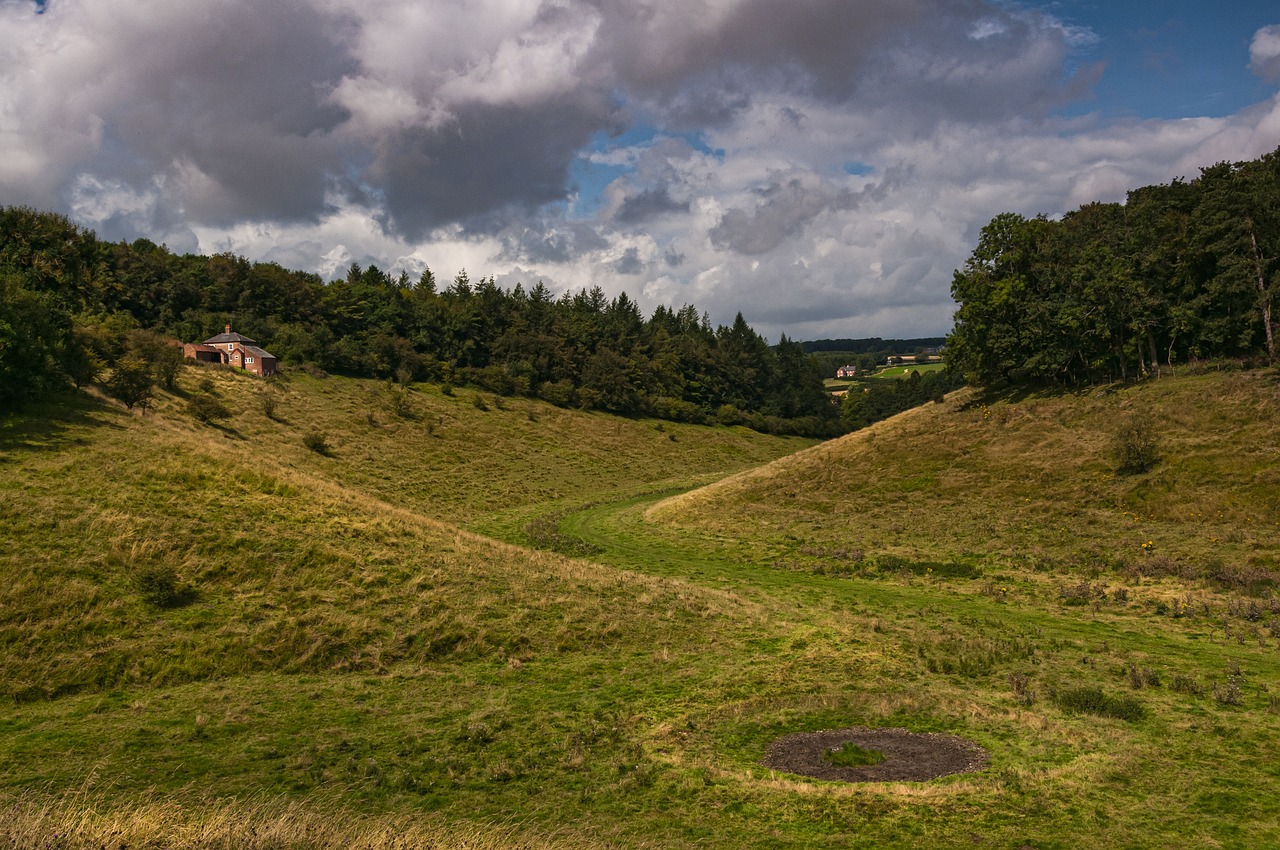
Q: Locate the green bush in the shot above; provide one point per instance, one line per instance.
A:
(559, 393)
(131, 382)
(316, 441)
(270, 402)
(207, 408)
(399, 401)
(1134, 447)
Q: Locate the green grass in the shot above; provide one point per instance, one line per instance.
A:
(850, 754)
(336, 643)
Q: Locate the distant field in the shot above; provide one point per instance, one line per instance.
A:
(905, 371)
(884, 373)
(376, 646)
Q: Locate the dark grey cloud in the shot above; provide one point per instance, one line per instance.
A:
(785, 208)
(648, 204)
(230, 107)
(665, 50)
(972, 59)
(487, 158)
(629, 263)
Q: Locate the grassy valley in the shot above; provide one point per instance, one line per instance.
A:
(212, 633)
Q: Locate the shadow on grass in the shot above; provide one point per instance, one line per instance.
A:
(1015, 394)
(45, 425)
(228, 431)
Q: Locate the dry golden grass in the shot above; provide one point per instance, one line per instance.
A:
(88, 822)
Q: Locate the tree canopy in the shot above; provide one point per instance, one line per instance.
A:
(69, 301)
(1179, 272)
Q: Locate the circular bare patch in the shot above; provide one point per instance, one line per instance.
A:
(908, 756)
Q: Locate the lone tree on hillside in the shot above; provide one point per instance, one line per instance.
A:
(131, 382)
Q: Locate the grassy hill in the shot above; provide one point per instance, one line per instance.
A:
(213, 635)
(1034, 483)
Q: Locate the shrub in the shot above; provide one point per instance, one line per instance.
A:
(1229, 693)
(1186, 685)
(1134, 447)
(931, 569)
(315, 440)
(206, 408)
(727, 414)
(167, 363)
(270, 401)
(1142, 677)
(1091, 700)
(399, 401)
(559, 393)
(1232, 691)
(1021, 685)
(678, 410)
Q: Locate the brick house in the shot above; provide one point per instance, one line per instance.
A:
(233, 349)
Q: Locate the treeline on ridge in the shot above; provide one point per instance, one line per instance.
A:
(1179, 272)
(73, 306)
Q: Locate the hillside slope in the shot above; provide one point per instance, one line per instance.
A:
(1033, 481)
(458, 457)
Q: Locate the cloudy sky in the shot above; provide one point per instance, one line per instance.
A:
(820, 165)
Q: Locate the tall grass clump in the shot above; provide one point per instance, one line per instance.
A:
(851, 755)
(158, 585)
(1093, 700)
(316, 442)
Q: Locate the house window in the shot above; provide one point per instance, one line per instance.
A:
(231, 346)
(249, 360)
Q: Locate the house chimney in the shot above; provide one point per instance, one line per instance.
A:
(228, 329)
